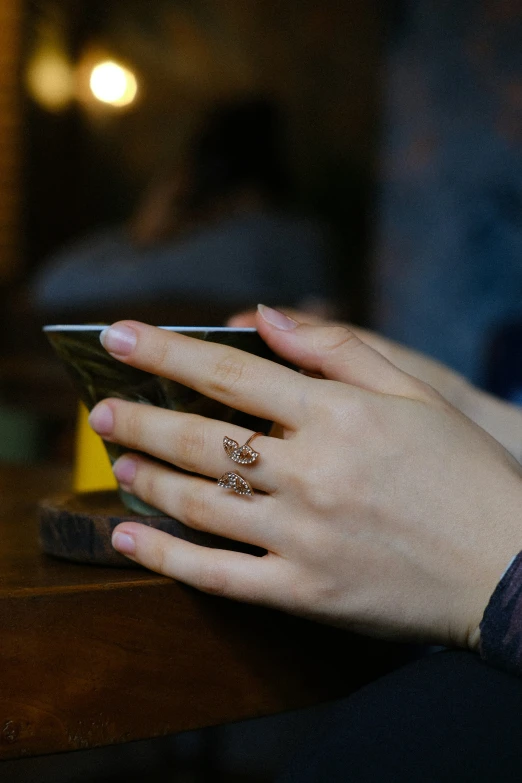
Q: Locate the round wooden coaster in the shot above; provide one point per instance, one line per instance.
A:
(79, 528)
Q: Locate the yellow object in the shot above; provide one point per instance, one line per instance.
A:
(92, 467)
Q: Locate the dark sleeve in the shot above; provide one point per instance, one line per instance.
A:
(501, 626)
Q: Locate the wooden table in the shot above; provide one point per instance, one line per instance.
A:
(93, 656)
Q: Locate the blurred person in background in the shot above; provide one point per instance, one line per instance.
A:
(220, 228)
(449, 260)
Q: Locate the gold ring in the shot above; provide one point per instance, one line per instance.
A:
(236, 483)
(243, 455)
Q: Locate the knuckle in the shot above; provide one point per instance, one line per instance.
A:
(319, 495)
(191, 441)
(312, 541)
(213, 579)
(355, 410)
(146, 483)
(424, 390)
(326, 592)
(228, 372)
(323, 399)
(159, 350)
(320, 486)
(352, 414)
(340, 337)
(318, 589)
(315, 487)
(339, 343)
(346, 409)
(297, 593)
(160, 559)
(132, 427)
(197, 510)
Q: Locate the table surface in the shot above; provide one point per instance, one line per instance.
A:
(92, 656)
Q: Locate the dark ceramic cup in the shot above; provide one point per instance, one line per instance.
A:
(97, 376)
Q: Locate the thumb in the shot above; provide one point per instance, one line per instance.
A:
(248, 317)
(336, 353)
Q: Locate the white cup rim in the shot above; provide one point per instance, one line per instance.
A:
(100, 328)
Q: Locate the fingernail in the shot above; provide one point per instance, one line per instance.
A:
(119, 340)
(124, 543)
(101, 419)
(276, 318)
(125, 470)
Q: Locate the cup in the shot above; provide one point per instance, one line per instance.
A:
(98, 375)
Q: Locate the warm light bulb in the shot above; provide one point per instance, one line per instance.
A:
(49, 78)
(114, 84)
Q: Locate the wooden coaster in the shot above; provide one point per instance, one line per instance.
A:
(79, 528)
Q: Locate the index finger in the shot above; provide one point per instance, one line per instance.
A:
(242, 380)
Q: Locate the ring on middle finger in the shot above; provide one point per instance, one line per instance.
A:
(243, 455)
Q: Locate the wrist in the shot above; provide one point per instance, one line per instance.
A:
(497, 526)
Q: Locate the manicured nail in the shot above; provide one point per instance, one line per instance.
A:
(124, 543)
(101, 419)
(119, 340)
(125, 470)
(276, 318)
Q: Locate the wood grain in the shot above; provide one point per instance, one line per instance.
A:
(93, 656)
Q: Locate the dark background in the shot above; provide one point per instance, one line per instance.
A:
(84, 166)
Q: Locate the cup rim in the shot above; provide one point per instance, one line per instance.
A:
(101, 327)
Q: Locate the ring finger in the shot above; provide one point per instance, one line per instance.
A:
(200, 503)
(186, 440)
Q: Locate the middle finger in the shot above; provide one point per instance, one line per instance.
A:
(189, 441)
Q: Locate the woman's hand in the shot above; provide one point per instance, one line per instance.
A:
(382, 509)
(501, 419)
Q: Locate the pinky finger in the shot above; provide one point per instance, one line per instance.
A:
(216, 571)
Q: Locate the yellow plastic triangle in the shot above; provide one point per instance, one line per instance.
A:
(92, 467)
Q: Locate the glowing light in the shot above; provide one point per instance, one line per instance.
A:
(112, 83)
(50, 79)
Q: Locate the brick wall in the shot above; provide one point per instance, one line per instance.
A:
(10, 138)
